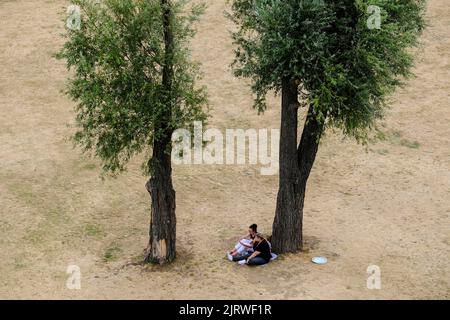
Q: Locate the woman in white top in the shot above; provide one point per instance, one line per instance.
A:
(245, 244)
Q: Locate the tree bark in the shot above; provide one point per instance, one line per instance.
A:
(162, 243)
(295, 167)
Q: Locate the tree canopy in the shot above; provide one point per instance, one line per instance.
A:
(117, 58)
(344, 69)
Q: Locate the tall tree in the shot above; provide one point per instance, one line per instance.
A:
(134, 84)
(334, 59)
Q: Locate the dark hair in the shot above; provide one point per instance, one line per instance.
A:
(254, 227)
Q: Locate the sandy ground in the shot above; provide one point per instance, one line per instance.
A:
(387, 207)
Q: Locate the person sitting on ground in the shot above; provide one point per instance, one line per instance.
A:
(245, 244)
(261, 255)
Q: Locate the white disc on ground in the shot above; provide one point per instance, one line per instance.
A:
(319, 260)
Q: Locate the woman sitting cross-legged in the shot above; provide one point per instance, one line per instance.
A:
(261, 255)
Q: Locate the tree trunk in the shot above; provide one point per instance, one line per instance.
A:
(295, 167)
(162, 243)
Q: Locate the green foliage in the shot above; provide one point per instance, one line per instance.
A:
(117, 58)
(112, 252)
(344, 69)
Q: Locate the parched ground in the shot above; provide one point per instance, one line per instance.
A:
(387, 207)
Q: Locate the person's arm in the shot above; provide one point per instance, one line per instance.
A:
(254, 254)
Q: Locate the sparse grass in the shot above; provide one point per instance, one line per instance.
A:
(138, 259)
(48, 226)
(19, 263)
(93, 230)
(395, 136)
(90, 166)
(35, 236)
(111, 253)
(382, 152)
(24, 192)
(5, 225)
(409, 144)
(239, 123)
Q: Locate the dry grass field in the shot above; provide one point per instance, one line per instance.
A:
(389, 206)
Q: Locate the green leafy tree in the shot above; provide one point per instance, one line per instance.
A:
(134, 84)
(329, 58)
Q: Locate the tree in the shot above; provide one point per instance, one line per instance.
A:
(134, 84)
(329, 58)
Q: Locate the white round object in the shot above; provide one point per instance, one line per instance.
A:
(319, 260)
